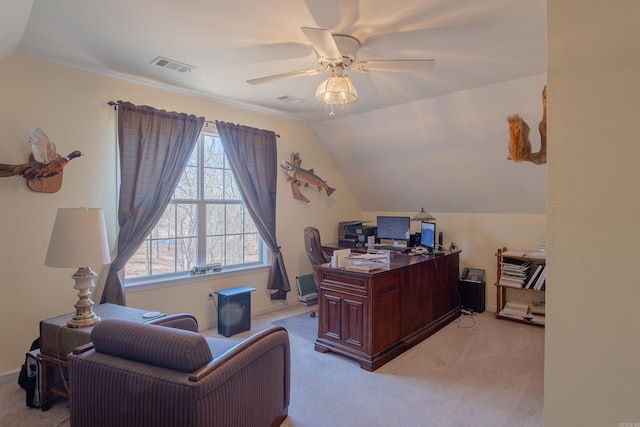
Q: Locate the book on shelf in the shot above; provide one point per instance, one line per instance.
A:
(514, 272)
(522, 274)
(538, 307)
(539, 255)
(535, 318)
(515, 264)
(515, 310)
(534, 276)
(512, 283)
(539, 285)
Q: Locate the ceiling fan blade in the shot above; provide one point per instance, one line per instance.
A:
(334, 13)
(396, 65)
(323, 43)
(267, 79)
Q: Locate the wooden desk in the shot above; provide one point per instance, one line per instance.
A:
(373, 317)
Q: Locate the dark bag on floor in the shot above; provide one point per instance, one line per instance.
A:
(30, 377)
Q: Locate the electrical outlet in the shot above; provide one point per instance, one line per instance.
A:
(210, 294)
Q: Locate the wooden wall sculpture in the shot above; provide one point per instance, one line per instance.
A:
(519, 143)
(299, 176)
(43, 172)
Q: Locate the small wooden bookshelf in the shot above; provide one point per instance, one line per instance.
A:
(524, 271)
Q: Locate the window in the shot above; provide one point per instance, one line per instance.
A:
(206, 222)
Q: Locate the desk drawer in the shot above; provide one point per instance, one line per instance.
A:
(339, 280)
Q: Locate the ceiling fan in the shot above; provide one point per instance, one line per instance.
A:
(337, 53)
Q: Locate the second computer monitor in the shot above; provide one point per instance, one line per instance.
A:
(428, 234)
(394, 228)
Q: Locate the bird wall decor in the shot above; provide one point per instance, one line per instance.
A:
(43, 172)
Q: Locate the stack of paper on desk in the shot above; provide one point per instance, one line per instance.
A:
(366, 256)
(366, 265)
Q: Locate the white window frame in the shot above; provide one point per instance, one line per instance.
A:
(185, 277)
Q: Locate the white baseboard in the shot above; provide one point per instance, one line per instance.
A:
(9, 376)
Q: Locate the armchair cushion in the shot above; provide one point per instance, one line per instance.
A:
(176, 349)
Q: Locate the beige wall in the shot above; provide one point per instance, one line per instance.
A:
(70, 106)
(592, 334)
(592, 366)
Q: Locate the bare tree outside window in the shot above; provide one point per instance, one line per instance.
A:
(206, 221)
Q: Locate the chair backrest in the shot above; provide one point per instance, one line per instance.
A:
(313, 246)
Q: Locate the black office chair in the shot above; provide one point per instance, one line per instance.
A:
(316, 255)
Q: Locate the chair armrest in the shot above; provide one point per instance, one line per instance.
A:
(240, 375)
(184, 321)
(221, 360)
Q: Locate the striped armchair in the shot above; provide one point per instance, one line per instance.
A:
(138, 374)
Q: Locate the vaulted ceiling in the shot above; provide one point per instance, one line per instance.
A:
(445, 130)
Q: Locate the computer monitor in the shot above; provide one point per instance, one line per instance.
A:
(394, 228)
(428, 234)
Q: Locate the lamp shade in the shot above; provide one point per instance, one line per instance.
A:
(78, 239)
(423, 216)
(337, 89)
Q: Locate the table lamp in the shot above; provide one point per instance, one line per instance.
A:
(423, 216)
(78, 240)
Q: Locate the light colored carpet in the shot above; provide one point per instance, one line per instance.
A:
(477, 371)
(301, 325)
(15, 413)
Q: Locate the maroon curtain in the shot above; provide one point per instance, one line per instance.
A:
(253, 156)
(155, 146)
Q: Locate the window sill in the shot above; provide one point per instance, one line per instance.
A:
(187, 279)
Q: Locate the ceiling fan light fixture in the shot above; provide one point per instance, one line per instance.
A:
(337, 89)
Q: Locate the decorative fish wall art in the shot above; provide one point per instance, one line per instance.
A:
(298, 176)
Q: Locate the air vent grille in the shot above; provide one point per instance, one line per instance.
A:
(172, 65)
(290, 99)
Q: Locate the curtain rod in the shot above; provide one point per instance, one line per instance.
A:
(206, 122)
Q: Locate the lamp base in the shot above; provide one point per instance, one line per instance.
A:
(83, 319)
(84, 316)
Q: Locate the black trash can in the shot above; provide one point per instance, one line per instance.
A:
(472, 290)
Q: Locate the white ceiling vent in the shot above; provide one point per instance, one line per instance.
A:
(172, 65)
(290, 99)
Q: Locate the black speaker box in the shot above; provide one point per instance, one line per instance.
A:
(414, 239)
(472, 296)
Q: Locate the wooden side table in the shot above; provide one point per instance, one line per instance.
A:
(57, 340)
